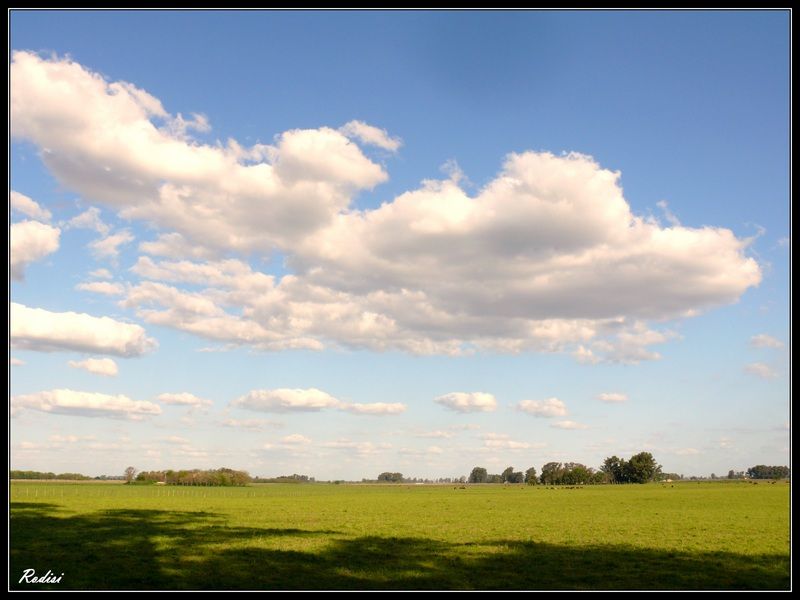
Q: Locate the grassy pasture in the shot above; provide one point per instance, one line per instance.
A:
(318, 536)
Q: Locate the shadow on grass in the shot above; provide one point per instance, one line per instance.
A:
(152, 549)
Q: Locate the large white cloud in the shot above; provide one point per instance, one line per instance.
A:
(29, 207)
(43, 330)
(117, 145)
(31, 241)
(547, 256)
(465, 402)
(86, 404)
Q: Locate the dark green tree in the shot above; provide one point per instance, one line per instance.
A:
(530, 476)
(478, 475)
(768, 472)
(506, 474)
(642, 468)
(614, 468)
(551, 473)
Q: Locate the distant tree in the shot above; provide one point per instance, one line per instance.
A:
(713, 476)
(506, 474)
(494, 478)
(614, 468)
(130, 473)
(551, 473)
(575, 474)
(517, 477)
(731, 474)
(642, 468)
(478, 475)
(530, 476)
(390, 477)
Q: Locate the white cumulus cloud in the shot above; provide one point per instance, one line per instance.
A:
(29, 207)
(106, 288)
(117, 145)
(86, 404)
(184, 399)
(465, 402)
(46, 331)
(174, 245)
(89, 219)
(31, 241)
(371, 135)
(550, 407)
(108, 247)
(311, 400)
(98, 366)
(375, 408)
(286, 400)
(612, 397)
(547, 256)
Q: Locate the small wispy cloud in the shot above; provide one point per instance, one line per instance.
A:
(762, 370)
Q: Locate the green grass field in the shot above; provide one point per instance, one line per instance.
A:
(319, 536)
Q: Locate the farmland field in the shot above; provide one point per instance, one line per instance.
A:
(321, 536)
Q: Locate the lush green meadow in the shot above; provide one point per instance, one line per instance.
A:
(320, 536)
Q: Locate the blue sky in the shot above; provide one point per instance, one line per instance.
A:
(344, 243)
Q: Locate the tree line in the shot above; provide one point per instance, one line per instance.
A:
(293, 478)
(211, 477)
(768, 472)
(48, 475)
(640, 468)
